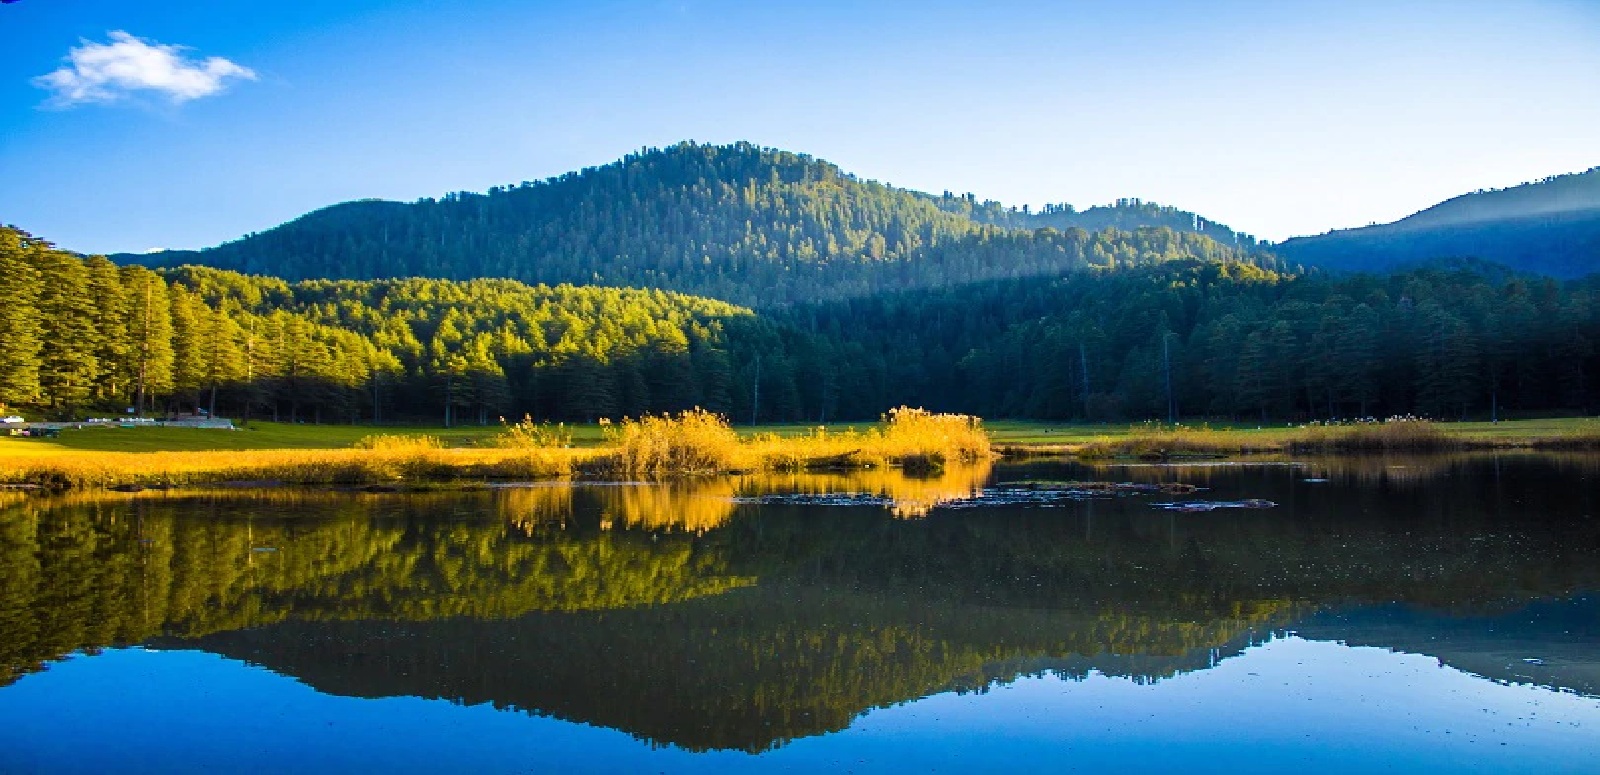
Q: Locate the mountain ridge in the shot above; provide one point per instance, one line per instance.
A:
(1550, 226)
(743, 223)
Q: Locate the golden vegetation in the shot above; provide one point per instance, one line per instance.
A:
(691, 442)
(701, 442)
(694, 442)
(528, 434)
(912, 495)
(385, 442)
(913, 439)
(397, 463)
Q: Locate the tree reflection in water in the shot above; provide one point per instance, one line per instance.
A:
(680, 615)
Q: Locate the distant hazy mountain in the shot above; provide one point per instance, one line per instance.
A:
(1548, 227)
(737, 222)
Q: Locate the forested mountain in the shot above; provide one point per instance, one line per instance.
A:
(745, 224)
(1124, 214)
(1548, 227)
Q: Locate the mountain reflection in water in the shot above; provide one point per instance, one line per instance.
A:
(682, 615)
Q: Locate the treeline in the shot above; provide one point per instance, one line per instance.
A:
(84, 336)
(1223, 340)
(85, 333)
(1128, 214)
(1179, 339)
(749, 225)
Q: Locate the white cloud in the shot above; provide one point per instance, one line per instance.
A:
(106, 72)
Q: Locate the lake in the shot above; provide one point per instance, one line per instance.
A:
(1432, 613)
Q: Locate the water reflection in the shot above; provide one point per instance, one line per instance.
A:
(910, 497)
(682, 615)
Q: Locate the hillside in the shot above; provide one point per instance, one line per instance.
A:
(740, 223)
(1548, 227)
(1123, 214)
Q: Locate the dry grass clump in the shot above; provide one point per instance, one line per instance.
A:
(820, 448)
(1156, 441)
(527, 434)
(699, 442)
(535, 448)
(1396, 434)
(917, 439)
(691, 442)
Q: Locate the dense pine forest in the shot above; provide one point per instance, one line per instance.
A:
(1224, 340)
(749, 225)
(81, 334)
(1183, 338)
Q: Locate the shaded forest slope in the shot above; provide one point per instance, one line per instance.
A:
(1546, 227)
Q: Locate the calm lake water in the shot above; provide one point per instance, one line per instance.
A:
(1402, 614)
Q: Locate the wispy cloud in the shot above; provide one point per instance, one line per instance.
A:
(107, 72)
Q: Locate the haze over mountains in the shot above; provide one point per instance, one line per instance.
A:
(1548, 227)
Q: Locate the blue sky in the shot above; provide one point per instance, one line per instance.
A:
(1275, 118)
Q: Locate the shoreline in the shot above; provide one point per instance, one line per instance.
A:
(694, 446)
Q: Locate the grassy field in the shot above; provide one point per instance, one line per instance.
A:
(1004, 434)
(687, 444)
(260, 435)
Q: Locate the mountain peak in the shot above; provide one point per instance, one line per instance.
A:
(740, 222)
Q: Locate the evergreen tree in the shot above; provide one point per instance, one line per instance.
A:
(111, 355)
(19, 319)
(149, 336)
(68, 342)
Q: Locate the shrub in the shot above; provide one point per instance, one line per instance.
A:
(921, 440)
(691, 442)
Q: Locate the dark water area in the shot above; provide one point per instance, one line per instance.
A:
(1433, 613)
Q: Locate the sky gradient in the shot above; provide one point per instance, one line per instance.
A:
(1277, 119)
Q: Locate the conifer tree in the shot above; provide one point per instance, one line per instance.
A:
(110, 298)
(149, 336)
(68, 340)
(19, 318)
